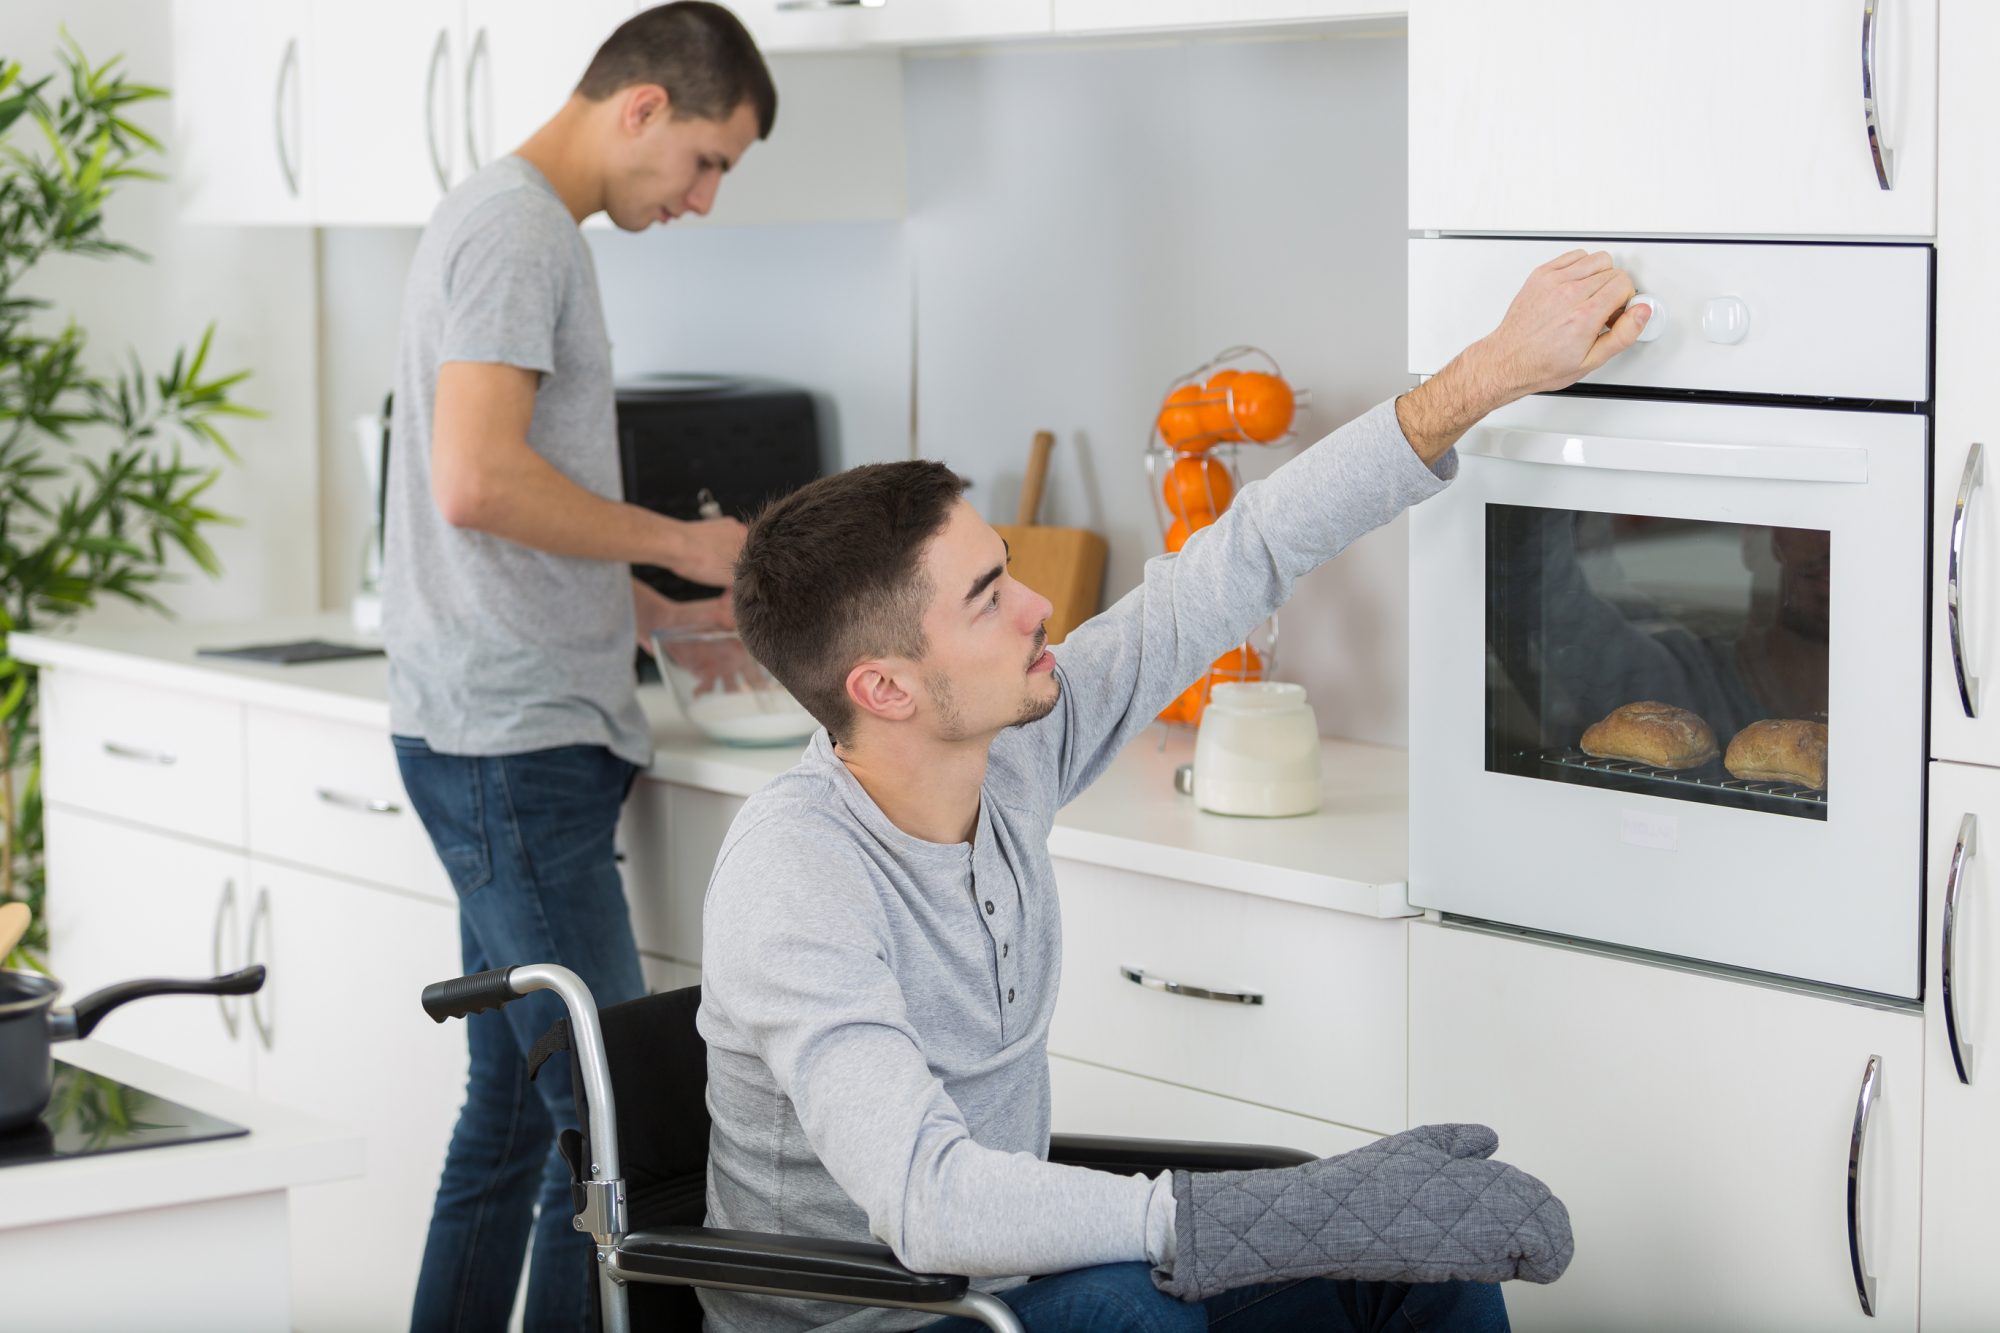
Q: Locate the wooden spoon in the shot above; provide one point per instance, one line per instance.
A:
(14, 919)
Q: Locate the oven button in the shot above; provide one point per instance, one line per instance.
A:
(1725, 319)
(1658, 323)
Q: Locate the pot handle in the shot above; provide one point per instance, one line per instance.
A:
(76, 1022)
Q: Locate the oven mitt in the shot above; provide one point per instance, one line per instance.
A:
(1425, 1205)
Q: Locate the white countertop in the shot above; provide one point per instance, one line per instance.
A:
(1351, 856)
(283, 1148)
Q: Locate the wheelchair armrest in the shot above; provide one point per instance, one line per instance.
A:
(1152, 1156)
(793, 1265)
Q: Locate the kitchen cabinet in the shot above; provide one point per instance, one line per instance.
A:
(831, 25)
(523, 59)
(1086, 16)
(1699, 1129)
(387, 115)
(1579, 118)
(340, 1033)
(1962, 1020)
(670, 835)
(1090, 1099)
(1246, 997)
(129, 903)
(243, 76)
(1965, 515)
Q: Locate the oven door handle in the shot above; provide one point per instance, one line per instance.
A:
(1756, 462)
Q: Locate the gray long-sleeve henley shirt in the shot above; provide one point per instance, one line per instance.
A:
(877, 1007)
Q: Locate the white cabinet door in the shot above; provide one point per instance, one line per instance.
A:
(1961, 1075)
(670, 835)
(1965, 647)
(802, 25)
(386, 110)
(124, 904)
(1707, 116)
(242, 74)
(1699, 1130)
(523, 60)
(1129, 15)
(1089, 1099)
(341, 1033)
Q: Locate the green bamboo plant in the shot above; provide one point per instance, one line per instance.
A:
(97, 487)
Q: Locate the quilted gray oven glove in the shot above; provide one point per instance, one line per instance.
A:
(1425, 1205)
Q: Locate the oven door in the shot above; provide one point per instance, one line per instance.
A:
(1742, 564)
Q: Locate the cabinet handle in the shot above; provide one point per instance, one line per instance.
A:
(1864, 1108)
(1139, 977)
(288, 69)
(260, 921)
(1954, 578)
(369, 804)
(472, 63)
(439, 54)
(225, 911)
(1885, 156)
(139, 754)
(1961, 853)
(803, 6)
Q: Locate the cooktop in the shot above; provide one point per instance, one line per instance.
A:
(89, 1114)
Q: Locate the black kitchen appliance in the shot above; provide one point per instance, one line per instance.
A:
(89, 1114)
(735, 444)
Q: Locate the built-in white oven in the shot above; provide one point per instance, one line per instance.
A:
(1729, 522)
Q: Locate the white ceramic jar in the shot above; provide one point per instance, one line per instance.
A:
(1257, 752)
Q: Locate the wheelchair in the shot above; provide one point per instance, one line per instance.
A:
(639, 1168)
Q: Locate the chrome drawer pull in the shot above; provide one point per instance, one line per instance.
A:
(1954, 578)
(144, 756)
(1961, 853)
(260, 927)
(1864, 1107)
(366, 803)
(225, 915)
(439, 54)
(1151, 982)
(1871, 84)
(288, 71)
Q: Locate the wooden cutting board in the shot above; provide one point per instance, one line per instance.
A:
(1065, 565)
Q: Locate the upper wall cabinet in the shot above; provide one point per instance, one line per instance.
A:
(523, 59)
(831, 25)
(1086, 16)
(1576, 117)
(242, 79)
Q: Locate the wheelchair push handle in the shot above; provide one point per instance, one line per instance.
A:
(461, 997)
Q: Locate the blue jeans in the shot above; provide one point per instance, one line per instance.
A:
(528, 842)
(1121, 1298)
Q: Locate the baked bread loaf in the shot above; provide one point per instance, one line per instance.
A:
(1779, 750)
(1656, 734)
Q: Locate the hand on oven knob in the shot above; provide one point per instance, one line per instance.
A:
(1655, 322)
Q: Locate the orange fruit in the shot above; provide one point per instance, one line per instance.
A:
(1198, 484)
(1263, 405)
(1241, 663)
(1187, 706)
(1183, 422)
(1181, 529)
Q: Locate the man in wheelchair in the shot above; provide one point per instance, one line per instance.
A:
(882, 939)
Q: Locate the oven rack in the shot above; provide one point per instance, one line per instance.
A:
(1711, 776)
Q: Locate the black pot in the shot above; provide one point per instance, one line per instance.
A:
(29, 1022)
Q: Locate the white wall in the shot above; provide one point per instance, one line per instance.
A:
(1090, 222)
(255, 284)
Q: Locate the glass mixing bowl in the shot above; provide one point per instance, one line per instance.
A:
(724, 691)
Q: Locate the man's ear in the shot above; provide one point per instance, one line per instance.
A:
(644, 103)
(878, 689)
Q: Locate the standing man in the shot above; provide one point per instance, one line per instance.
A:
(510, 613)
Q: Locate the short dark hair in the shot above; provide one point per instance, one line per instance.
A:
(700, 53)
(833, 574)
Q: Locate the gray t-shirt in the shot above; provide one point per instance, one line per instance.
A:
(495, 648)
(877, 1007)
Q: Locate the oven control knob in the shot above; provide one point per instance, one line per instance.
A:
(1656, 325)
(1725, 319)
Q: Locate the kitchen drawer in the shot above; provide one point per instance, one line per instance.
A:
(327, 795)
(1326, 1041)
(157, 757)
(670, 835)
(1090, 1099)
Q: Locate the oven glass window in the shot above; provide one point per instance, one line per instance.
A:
(1670, 657)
